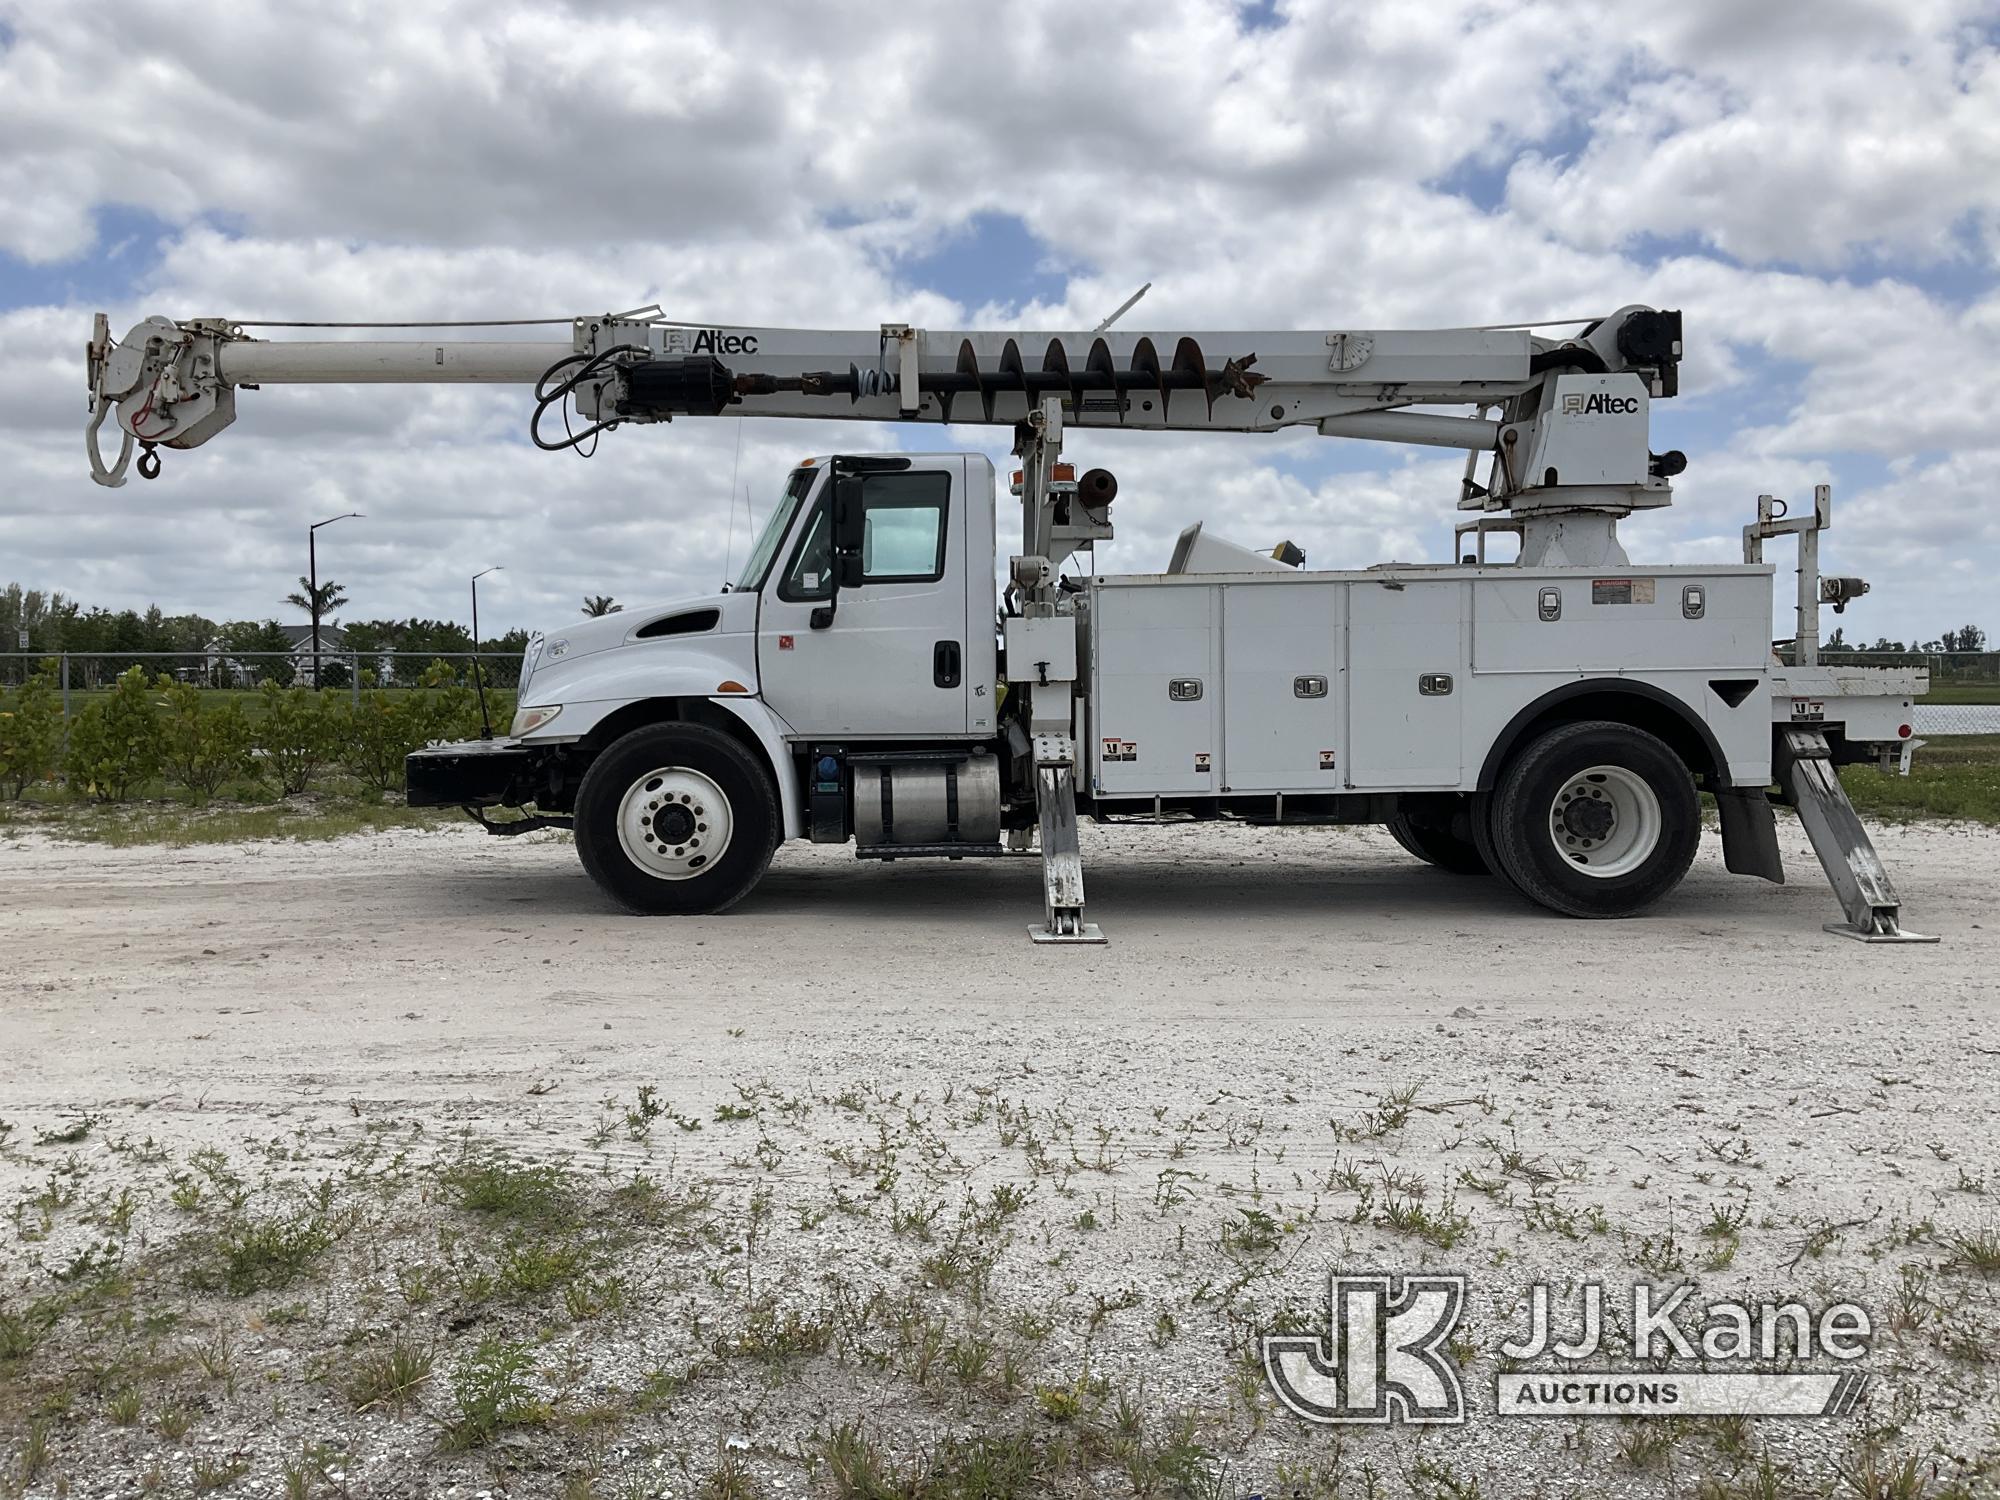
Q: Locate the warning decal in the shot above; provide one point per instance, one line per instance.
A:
(1201, 760)
(1621, 591)
(1117, 749)
(1326, 760)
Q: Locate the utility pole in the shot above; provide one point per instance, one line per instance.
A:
(478, 678)
(312, 580)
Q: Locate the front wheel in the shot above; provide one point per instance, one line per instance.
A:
(676, 819)
(1595, 820)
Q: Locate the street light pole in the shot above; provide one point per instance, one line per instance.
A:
(478, 678)
(312, 580)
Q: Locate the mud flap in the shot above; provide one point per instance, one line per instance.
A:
(1749, 834)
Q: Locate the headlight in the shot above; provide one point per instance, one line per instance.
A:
(528, 720)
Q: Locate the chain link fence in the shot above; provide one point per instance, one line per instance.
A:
(81, 674)
(1968, 667)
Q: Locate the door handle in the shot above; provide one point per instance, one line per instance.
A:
(945, 664)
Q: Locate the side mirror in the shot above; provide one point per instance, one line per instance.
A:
(849, 526)
(848, 521)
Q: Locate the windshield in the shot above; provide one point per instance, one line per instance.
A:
(773, 534)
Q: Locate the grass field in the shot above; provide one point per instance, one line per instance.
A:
(1955, 776)
(163, 820)
(1962, 692)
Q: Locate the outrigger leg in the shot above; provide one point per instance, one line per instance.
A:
(1062, 859)
(1810, 784)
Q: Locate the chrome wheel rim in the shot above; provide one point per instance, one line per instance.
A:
(674, 824)
(1605, 822)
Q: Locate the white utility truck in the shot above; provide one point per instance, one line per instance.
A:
(1548, 720)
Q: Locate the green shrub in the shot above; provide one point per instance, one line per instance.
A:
(200, 748)
(299, 732)
(385, 726)
(114, 746)
(31, 728)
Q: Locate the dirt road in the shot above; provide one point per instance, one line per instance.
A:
(1299, 1054)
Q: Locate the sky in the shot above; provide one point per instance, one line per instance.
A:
(1816, 187)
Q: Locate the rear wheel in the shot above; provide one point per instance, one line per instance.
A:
(1595, 820)
(676, 819)
(1440, 837)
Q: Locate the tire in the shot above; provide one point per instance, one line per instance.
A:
(1595, 820)
(653, 808)
(1448, 845)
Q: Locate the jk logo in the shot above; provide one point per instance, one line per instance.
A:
(1382, 1359)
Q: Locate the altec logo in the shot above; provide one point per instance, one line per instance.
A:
(1600, 405)
(709, 341)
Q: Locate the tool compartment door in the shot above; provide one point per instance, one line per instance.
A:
(1282, 686)
(1400, 631)
(1152, 641)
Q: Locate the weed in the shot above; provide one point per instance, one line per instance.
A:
(854, 1463)
(530, 1270)
(1644, 1443)
(69, 1135)
(123, 1407)
(213, 1474)
(390, 1377)
(1870, 1476)
(1978, 1250)
(214, 1354)
(1726, 1220)
(506, 1190)
(491, 1391)
(585, 1299)
(34, 1452)
(261, 1254)
(1256, 1235)
(1444, 1226)
(1061, 1403)
(173, 1422)
(21, 1332)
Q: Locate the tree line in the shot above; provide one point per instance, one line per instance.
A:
(57, 623)
(1966, 639)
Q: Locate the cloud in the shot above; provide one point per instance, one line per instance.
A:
(1797, 180)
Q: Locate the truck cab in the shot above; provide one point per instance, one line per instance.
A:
(859, 637)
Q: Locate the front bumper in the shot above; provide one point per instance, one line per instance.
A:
(469, 773)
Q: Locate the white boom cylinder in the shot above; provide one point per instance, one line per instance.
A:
(386, 362)
(1427, 429)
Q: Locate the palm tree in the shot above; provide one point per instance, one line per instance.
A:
(321, 603)
(600, 604)
(318, 603)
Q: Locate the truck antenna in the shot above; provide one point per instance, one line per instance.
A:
(1123, 308)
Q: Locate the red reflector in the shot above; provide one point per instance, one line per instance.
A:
(1904, 732)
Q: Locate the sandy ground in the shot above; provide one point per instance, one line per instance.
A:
(1202, 1116)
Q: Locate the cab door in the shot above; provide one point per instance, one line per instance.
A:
(887, 656)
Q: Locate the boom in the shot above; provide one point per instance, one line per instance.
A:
(1563, 420)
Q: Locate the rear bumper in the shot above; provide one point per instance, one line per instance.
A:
(468, 773)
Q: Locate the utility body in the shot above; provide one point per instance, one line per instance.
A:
(1548, 720)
